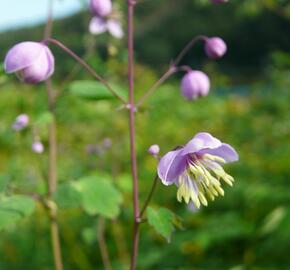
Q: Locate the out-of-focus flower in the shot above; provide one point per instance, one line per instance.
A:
(37, 147)
(101, 8)
(219, 1)
(215, 47)
(21, 122)
(107, 143)
(154, 150)
(197, 169)
(195, 84)
(99, 25)
(32, 62)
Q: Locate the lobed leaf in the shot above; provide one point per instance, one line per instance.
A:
(162, 221)
(14, 208)
(99, 196)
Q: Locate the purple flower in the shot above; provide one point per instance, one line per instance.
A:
(37, 147)
(195, 84)
(101, 8)
(219, 1)
(196, 168)
(107, 143)
(33, 62)
(154, 150)
(20, 122)
(215, 47)
(99, 25)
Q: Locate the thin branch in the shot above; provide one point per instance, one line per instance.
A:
(164, 77)
(86, 66)
(173, 68)
(186, 49)
(132, 107)
(52, 159)
(103, 245)
(154, 185)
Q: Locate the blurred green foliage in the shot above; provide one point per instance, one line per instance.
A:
(248, 107)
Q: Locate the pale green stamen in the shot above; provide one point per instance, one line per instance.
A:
(208, 185)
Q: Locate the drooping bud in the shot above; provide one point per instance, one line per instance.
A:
(32, 62)
(37, 147)
(219, 1)
(195, 84)
(101, 8)
(215, 47)
(20, 122)
(154, 150)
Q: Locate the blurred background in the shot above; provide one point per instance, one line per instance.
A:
(248, 107)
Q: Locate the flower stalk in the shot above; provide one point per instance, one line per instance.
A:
(52, 159)
(131, 107)
(87, 67)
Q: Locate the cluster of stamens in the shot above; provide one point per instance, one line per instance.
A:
(202, 180)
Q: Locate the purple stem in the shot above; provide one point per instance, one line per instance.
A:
(135, 243)
(86, 66)
(173, 68)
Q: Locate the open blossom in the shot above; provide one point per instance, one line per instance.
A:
(20, 122)
(215, 47)
(197, 169)
(101, 8)
(99, 25)
(32, 62)
(195, 84)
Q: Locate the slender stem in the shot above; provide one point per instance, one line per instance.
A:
(86, 66)
(103, 245)
(171, 70)
(52, 159)
(52, 180)
(186, 49)
(49, 22)
(134, 255)
(154, 185)
(164, 77)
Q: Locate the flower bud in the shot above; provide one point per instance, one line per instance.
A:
(215, 47)
(20, 122)
(101, 8)
(37, 147)
(219, 1)
(154, 150)
(32, 62)
(195, 84)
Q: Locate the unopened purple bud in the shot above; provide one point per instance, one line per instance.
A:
(195, 84)
(37, 147)
(219, 1)
(21, 122)
(101, 8)
(154, 150)
(32, 62)
(215, 47)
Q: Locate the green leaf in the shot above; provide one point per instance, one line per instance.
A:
(92, 90)
(44, 119)
(99, 196)
(14, 208)
(162, 221)
(67, 196)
